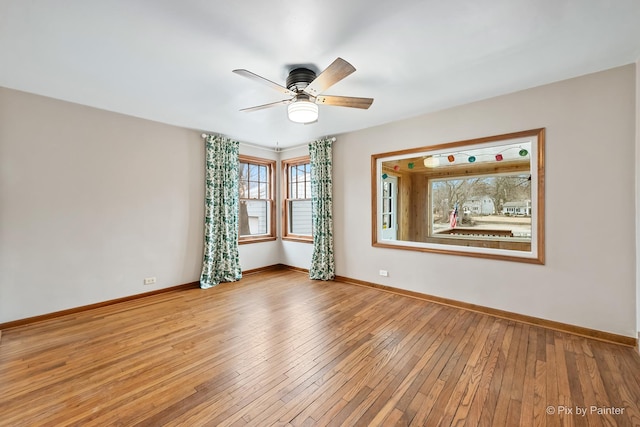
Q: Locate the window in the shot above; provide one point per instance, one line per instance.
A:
(456, 199)
(297, 199)
(256, 219)
(483, 198)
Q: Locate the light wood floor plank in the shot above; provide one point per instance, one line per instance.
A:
(279, 349)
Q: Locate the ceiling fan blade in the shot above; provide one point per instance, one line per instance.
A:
(345, 101)
(253, 76)
(262, 107)
(338, 70)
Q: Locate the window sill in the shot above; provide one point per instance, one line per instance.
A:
(259, 239)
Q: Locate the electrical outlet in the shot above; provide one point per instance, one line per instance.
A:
(384, 273)
(149, 280)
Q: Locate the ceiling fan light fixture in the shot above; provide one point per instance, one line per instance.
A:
(303, 111)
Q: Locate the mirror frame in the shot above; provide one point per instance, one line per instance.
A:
(536, 254)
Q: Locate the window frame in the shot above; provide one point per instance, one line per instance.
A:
(271, 186)
(286, 199)
(384, 164)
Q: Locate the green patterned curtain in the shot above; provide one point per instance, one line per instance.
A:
(221, 262)
(322, 260)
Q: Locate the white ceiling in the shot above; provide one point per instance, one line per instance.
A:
(171, 60)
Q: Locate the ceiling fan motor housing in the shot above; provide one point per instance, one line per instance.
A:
(299, 79)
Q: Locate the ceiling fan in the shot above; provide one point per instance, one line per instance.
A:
(305, 88)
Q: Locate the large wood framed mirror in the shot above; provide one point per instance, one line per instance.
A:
(482, 197)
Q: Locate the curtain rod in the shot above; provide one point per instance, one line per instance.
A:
(274, 150)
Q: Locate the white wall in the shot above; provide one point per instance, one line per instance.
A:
(638, 199)
(91, 203)
(589, 276)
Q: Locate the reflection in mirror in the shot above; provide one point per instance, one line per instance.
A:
(482, 198)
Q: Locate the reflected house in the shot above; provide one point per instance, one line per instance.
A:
(479, 206)
(520, 208)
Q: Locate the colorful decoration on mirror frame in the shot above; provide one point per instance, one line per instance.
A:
(410, 165)
(396, 168)
(451, 158)
(385, 176)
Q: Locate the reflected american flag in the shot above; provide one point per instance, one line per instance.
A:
(453, 216)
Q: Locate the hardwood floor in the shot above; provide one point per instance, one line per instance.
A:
(279, 349)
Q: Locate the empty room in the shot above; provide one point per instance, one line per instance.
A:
(309, 213)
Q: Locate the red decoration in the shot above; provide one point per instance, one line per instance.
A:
(498, 157)
(450, 158)
(396, 168)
